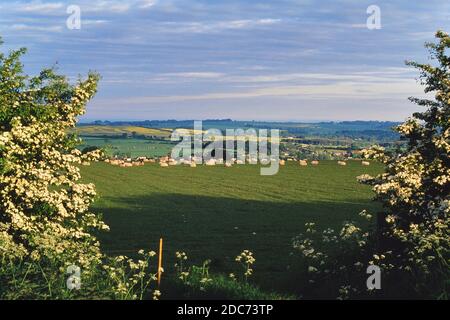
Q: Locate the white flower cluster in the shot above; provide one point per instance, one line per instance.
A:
(43, 206)
(247, 260)
(413, 235)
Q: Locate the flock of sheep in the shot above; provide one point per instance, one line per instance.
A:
(166, 162)
(129, 162)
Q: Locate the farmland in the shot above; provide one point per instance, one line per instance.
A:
(93, 130)
(322, 141)
(129, 147)
(216, 212)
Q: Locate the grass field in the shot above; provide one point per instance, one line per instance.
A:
(216, 212)
(130, 147)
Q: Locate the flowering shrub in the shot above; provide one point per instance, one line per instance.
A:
(332, 262)
(130, 279)
(411, 244)
(45, 222)
(44, 210)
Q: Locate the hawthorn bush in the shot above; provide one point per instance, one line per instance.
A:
(45, 222)
(411, 241)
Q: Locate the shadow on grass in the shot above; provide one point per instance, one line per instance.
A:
(219, 229)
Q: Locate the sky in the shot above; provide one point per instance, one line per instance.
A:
(283, 60)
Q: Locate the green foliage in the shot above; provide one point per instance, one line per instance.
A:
(412, 242)
(196, 282)
(219, 287)
(114, 278)
(45, 223)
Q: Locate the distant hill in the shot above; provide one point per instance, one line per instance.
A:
(367, 130)
(117, 130)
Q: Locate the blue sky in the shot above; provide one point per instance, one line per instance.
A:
(265, 60)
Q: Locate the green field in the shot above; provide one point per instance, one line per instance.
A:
(129, 147)
(216, 212)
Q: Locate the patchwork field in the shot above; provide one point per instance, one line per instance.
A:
(129, 147)
(216, 212)
(93, 130)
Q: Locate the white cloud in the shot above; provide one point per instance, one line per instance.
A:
(359, 25)
(198, 75)
(40, 7)
(145, 4)
(106, 6)
(358, 89)
(93, 22)
(209, 27)
(25, 27)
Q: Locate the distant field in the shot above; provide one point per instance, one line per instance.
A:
(94, 130)
(216, 212)
(129, 146)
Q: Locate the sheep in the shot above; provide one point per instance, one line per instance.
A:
(314, 162)
(227, 164)
(193, 164)
(211, 162)
(303, 163)
(365, 163)
(240, 162)
(126, 165)
(282, 162)
(163, 164)
(342, 163)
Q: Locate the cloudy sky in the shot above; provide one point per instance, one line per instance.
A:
(265, 60)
